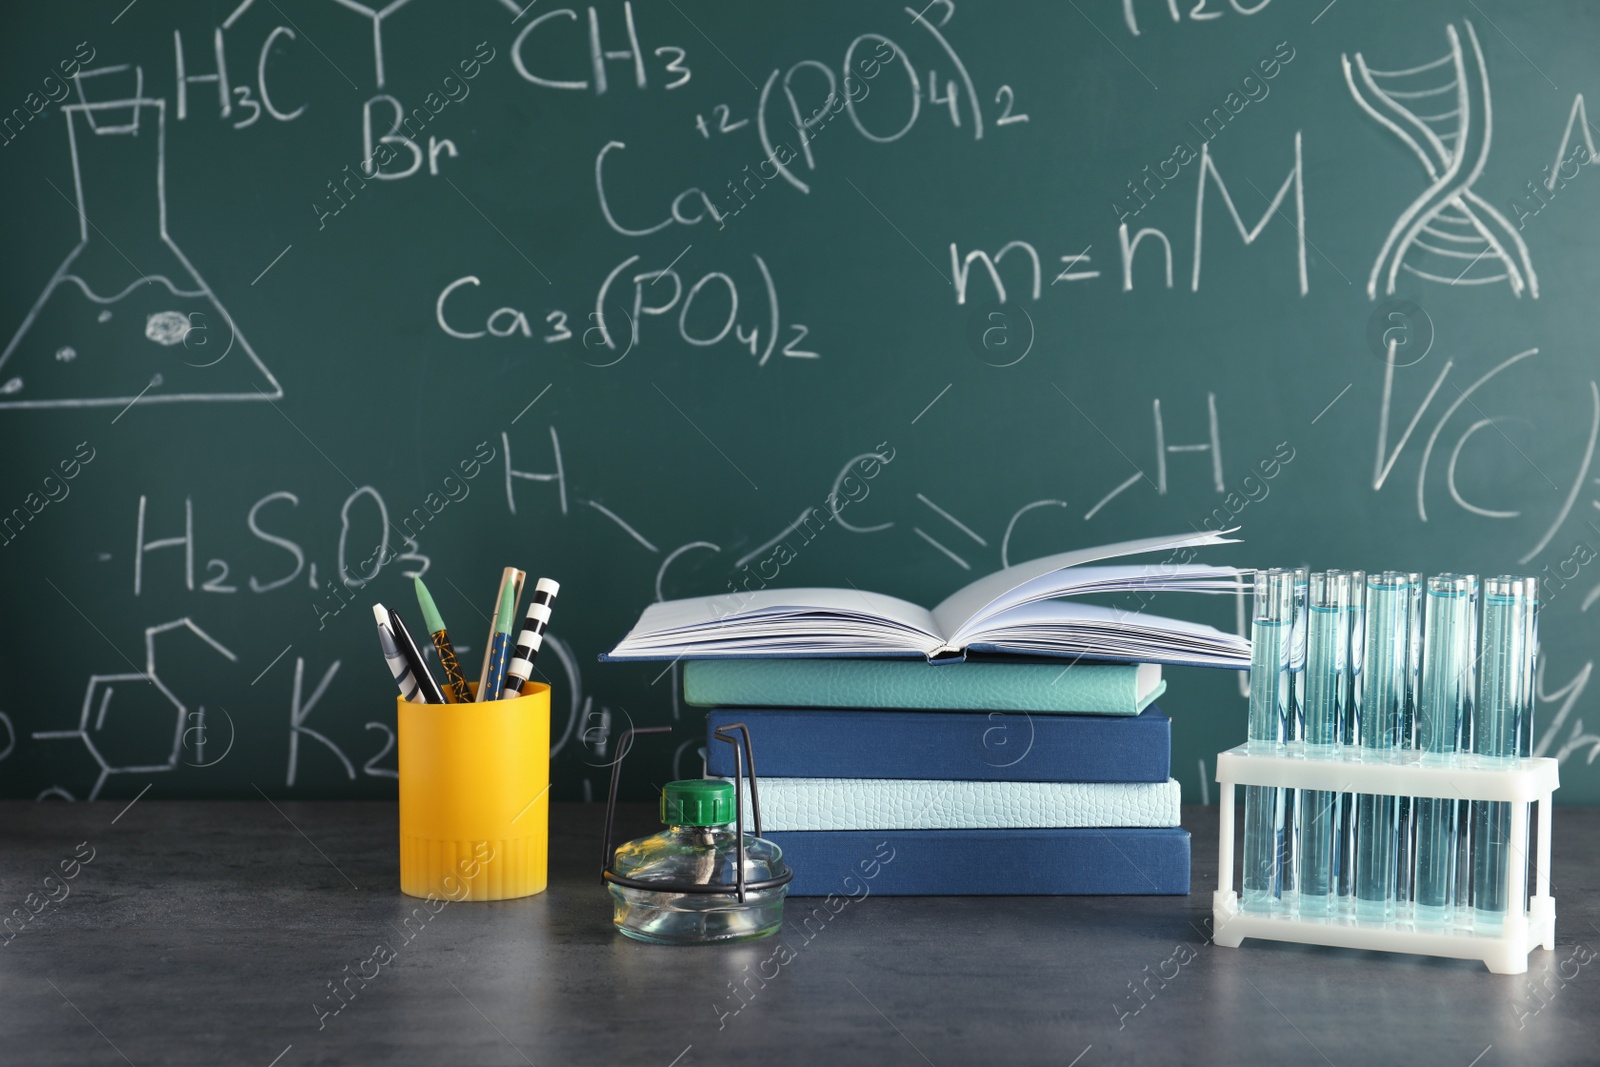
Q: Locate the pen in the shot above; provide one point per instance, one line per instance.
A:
(499, 647)
(531, 637)
(413, 656)
(397, 663)
(509, 577)
(455, 682)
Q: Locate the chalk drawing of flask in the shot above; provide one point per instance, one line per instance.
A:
(126, 316)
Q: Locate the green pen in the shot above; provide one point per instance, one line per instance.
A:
(455, 682)
(500, 648)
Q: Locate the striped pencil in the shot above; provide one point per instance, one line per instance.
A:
(531, 637)
(397, 662)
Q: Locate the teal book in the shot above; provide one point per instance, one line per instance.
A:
(908, 684)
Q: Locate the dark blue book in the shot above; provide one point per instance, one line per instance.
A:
(947, 745)
(1075, 862)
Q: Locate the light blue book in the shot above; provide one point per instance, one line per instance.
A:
(1023, 610)
(1055, 862)
(924, 804)
(977, 685)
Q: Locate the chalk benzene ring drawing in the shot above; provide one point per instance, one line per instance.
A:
(1453, 146)
(99, 685)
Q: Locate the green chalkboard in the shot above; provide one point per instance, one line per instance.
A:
(301, 298)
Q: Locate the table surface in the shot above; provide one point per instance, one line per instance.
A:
(208, 932)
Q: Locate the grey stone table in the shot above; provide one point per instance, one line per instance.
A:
(208, 933)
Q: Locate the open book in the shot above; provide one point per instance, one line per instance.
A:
(1016, 611)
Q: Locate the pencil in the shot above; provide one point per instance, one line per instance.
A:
(531, 637)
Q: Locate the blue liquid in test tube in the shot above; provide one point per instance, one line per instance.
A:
(1271, 696)
(1510, 613)
(1382, 699)
(1327, 692)
(1406, 807)
(1294, 725)
(1349, 734)
(1525, 741)
(1448, 669)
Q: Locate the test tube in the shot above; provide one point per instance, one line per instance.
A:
(1530, 696)
(1294, 726)
(1348, 734)
(1406, 807)
(1296, 720)
(1510, 612)
(1327, 691)
(1385, 683)
(1525, 741)
(1466, 836)
(1449, 651)
(1271, 635)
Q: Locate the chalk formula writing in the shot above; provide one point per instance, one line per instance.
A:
(369, 536)
(703, 312)
(1287, 205)
(590, 51)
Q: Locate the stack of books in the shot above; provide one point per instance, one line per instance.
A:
(889, 758)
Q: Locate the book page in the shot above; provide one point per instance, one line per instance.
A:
(780, 622)
(956, 610)
(1156, 576)
(1066, 628)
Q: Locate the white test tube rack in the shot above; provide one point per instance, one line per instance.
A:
(1504, 951)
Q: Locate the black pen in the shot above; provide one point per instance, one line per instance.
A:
(408, 649)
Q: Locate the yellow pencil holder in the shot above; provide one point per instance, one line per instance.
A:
(475, 797)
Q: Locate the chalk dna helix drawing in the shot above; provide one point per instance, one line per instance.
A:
(1442, 110)
(128, 317)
